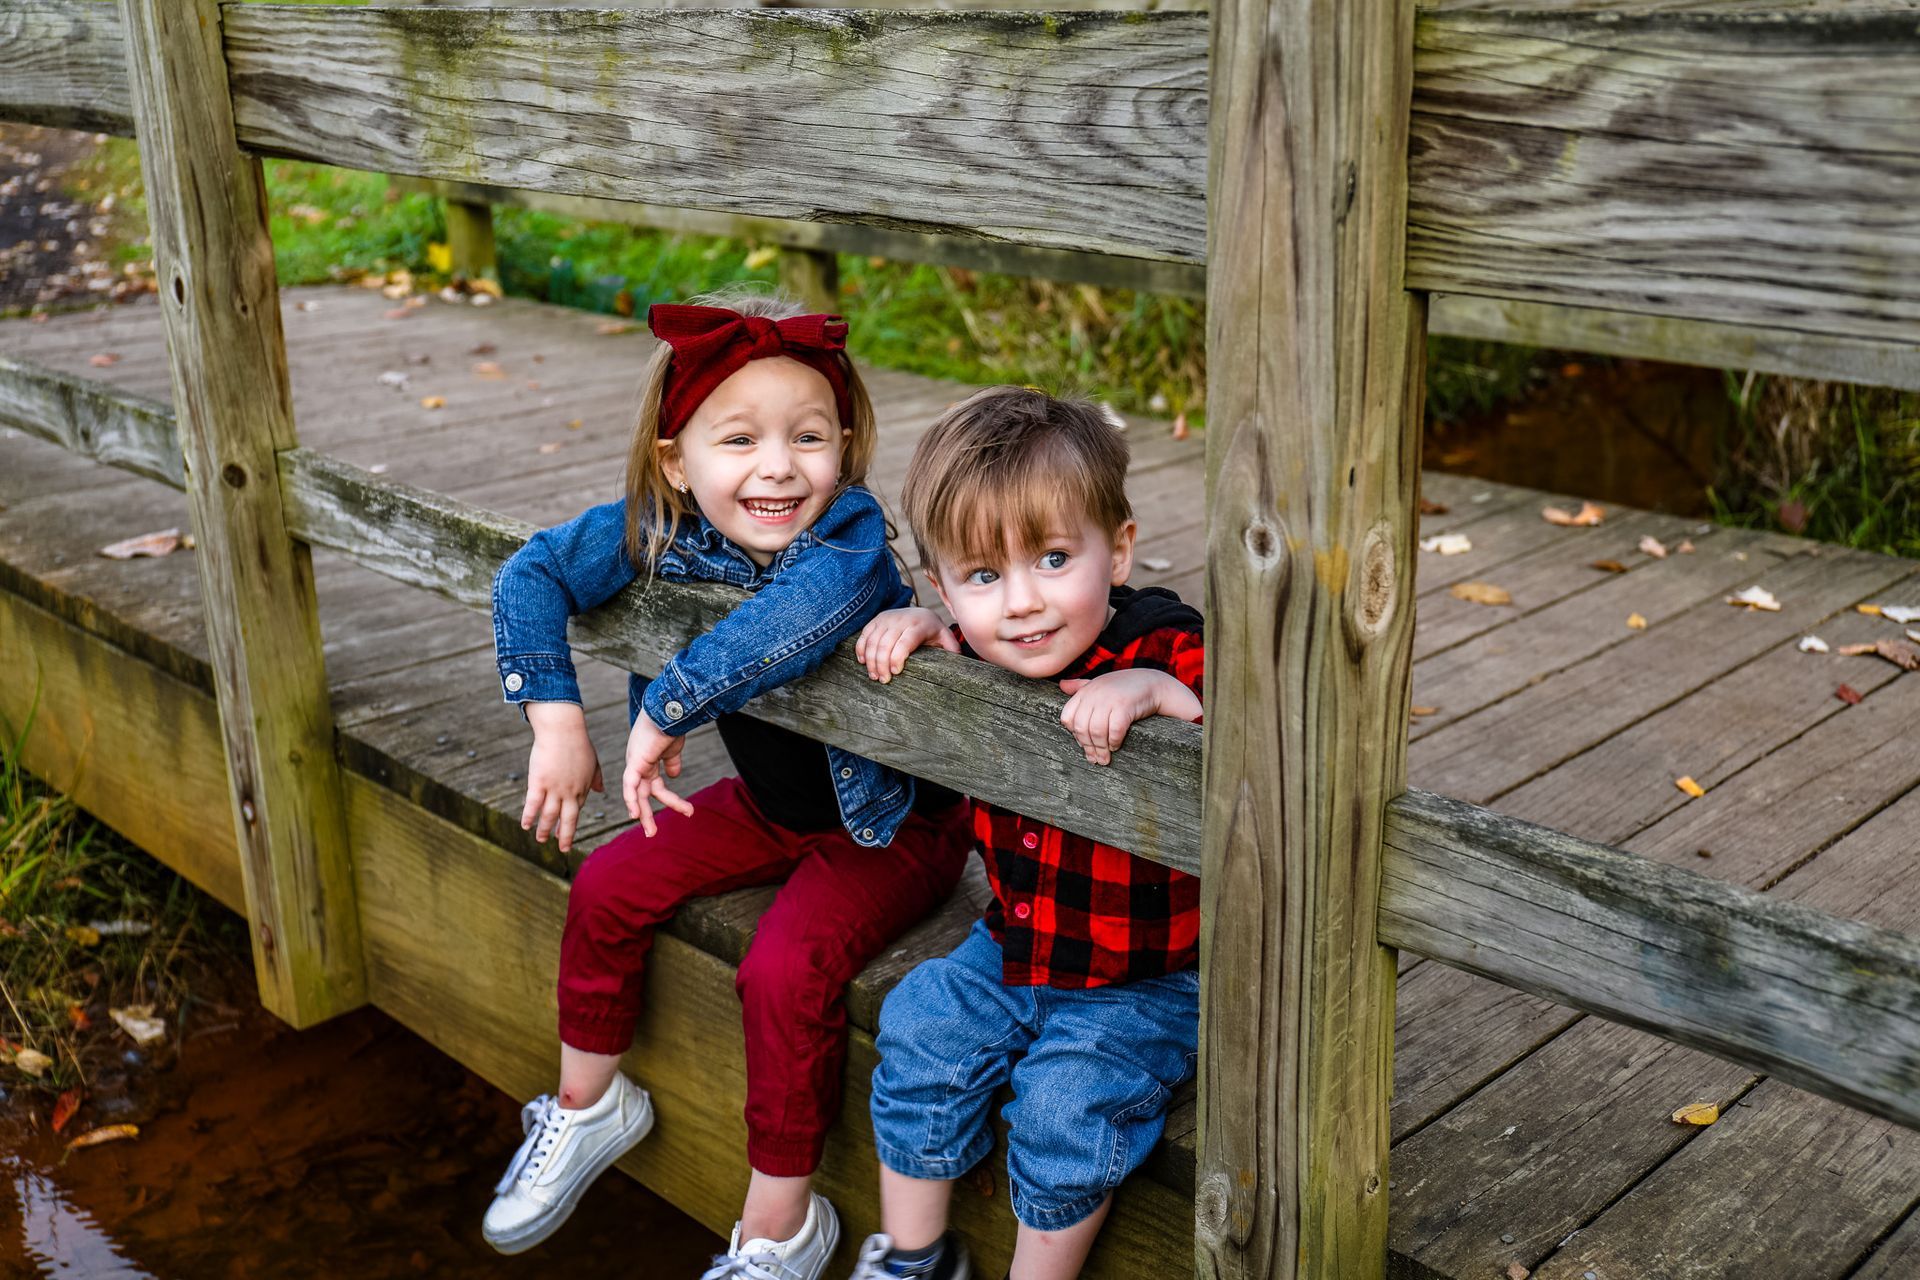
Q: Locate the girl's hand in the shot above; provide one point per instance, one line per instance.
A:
(886, 641)
(1101, 710)
(561, 769)
(652, 758)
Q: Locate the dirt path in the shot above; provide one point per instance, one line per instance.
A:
(54, 237)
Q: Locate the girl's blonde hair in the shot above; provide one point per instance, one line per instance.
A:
(654, 507)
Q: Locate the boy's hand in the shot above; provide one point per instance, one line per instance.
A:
(560, 771)
(652, 758)
(886, 641)
(1101, 710)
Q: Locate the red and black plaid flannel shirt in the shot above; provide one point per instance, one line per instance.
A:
(1069, 911)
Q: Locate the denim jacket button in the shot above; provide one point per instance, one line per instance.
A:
(515, 681)
(866, 833)
(846, 772)
(674, 710)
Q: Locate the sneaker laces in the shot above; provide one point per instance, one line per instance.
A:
(542, 1122)
(872, 1263)
(735, 1266)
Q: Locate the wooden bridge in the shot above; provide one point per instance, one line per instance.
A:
(284, 717)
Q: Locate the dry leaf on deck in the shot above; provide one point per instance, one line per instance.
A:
(1652, 546)
(433, 402)
(1479, 593)
(1424, 711)
(63, 1109)
(1900, 613)
(1447, 544)
(33, 1062)
(1691, 787)
(1697, 1113)
(1913, 635)
(1871, 610)
(1428, 507)
(574, 424)
(1685, 548)
(1848, 694)
(1156, 564)
(105, 1133)
(104, 359)
(551, 446)
(155, 545)
(1586, 517)
(609, 328)
(488, 369)
(397, 313)
(396, 379)
(1516, 1271)
(137, 1020)
(1636, 622)
(1752, 598)
(1608, 566)
(1813, 644)
(1898, 652)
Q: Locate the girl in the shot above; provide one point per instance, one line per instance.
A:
(753, 437)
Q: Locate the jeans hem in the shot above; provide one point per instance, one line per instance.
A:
(934, 1169)
(1056, 1218)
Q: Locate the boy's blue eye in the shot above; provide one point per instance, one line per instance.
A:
(982, 578)
(1054, 560)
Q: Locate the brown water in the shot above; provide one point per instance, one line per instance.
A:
(353, 1149)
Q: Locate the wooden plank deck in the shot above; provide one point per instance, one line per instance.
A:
(1524, 1131)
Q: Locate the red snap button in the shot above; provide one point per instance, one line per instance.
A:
(1030, 840)
(1022, 910)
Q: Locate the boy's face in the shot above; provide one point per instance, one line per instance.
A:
(1035, 614)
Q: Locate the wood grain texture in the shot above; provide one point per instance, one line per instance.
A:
(1753, 170)
(1832, 1005)
(91, 419)
(64, 63)
(1082, 132)
(220, 302)
(1315, 392)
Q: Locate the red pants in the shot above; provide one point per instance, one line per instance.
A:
(840, 906)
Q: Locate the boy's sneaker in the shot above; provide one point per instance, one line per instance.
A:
(564, 1152)
(803, 1257)
(878, 1261)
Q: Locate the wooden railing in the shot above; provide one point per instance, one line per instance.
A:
(1659, 165)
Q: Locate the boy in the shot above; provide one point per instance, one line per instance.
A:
(1079, 987)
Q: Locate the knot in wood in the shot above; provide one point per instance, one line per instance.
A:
(234, 474)
(1211, 1204)
(1374, 602)
(1263, 542)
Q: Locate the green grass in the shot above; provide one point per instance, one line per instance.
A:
(62, 874)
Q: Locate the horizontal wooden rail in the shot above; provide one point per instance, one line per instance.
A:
(64, 63)
(1832, 1005)
(90, 418)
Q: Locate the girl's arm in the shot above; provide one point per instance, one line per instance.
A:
(825, 591)
(561, 571)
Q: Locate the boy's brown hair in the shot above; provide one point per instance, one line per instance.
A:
(1000, 470)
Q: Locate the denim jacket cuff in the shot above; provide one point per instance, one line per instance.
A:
(670, 704)
(538, 677)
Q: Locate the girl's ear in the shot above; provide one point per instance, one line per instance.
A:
(1123, 552)
(670, 463)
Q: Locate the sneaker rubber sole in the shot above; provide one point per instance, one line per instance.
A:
(540, 1228)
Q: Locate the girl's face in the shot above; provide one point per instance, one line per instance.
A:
(761, 455)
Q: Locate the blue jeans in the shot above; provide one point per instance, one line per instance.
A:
(1089, 1096)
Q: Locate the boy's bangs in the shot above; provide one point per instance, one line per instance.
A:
(998, 514)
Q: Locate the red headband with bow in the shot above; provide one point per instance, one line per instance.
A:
(710, 344)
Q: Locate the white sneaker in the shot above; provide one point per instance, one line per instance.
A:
(564, 1152)
(803, 1257)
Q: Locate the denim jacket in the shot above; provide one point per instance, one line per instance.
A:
(822, 588)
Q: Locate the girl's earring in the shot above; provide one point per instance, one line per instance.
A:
(682, 486)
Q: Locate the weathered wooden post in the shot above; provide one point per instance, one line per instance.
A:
(812, 277)
(1314, 397)
(220, 300)
(470, 240)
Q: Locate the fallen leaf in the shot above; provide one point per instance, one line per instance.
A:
(551, 446)
(63, 1109)
(433, 402)
(1447, 544)
(1871, 610)
(415, 302)
(761, 257)
(1697, 1113)
(77, 1017)
(1424, 711)
(1691, 787)
(306, 304)
(137, 1020)
(611, 327)
(82, 934)
(398, 313)
(1515, 1271)
(395, 292)
(1793, 516)
(104, 359)
(33, 1062)
(488, 369)
(1652, 546)
(1479, 593)
(1913, 635)
(1848, 694)
(1608, 566)
(105, 1133)
(396, 379)
(440, 258)
(1586, 517)
(153, 545)
(482, 349)
(1572, 370)
(483, 287)
(1755, 598)
(1813, 644)
(1180, 431)
(1901, 613)
(1156, 564)
(1635, 622)
(1899, 653)
(1685, 548)
(1428, 507)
